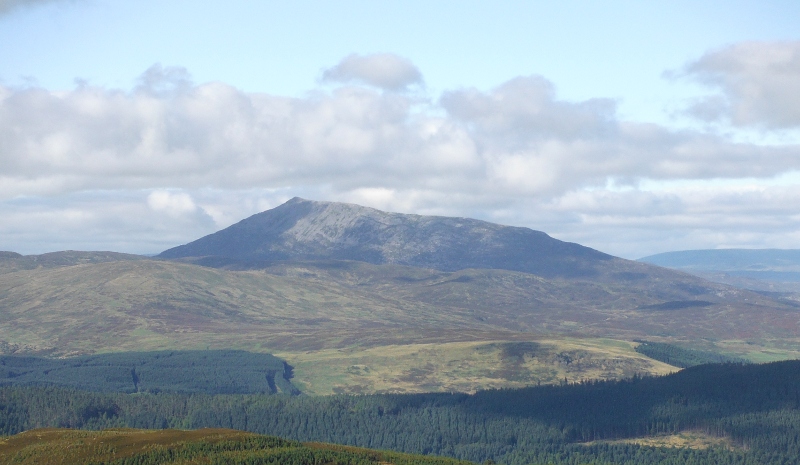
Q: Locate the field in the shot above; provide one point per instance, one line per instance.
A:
(466, 366)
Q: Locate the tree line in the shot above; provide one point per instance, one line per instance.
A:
(187, 371)
(681, 356)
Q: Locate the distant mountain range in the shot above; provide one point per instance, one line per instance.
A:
(758, 269)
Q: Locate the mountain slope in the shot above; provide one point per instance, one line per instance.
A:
(558, 285)
(157, 304)
(308, 230)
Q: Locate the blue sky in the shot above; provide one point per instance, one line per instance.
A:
(631, 127)
(611, 49)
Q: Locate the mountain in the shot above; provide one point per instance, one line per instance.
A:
(305, 231)
(366, 301)
(308, 230)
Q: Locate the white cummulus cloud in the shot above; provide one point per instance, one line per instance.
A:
(174, 204)
(518, 139)
(758, 83)
(382, 70)
(186, 159)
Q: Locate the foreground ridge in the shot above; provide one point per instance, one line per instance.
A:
(156, 447)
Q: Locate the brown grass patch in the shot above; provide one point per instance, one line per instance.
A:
(683, 440)
(53, 446)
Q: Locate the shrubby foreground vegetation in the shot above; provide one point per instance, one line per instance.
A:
(206, 446)
(756, 407)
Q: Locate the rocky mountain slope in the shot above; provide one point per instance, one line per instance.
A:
(309, 230)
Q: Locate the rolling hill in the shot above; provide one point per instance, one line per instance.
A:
(156, 304)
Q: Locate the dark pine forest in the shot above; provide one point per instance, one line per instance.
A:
(756, 407)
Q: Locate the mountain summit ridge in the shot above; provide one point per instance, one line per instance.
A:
(312, 230)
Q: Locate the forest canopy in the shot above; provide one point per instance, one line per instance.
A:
(756, 407)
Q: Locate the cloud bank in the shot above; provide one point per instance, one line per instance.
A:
(185, 159)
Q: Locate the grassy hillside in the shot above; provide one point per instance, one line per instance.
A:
(624, 299)
(467, 366)
(204, 446)
(327, 318)
(147, 304)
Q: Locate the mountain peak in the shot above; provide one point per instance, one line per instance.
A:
(303, 229)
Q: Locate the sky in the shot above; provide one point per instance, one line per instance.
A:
(631, 127)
